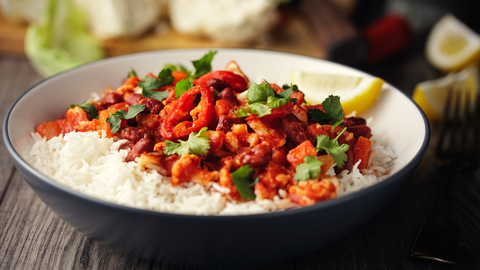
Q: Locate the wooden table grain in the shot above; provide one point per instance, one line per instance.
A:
(33, 237)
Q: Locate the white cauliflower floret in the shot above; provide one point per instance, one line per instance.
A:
(121, 18)
(226, 21)
(20, 11)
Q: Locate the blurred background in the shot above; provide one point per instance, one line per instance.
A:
(391, 39)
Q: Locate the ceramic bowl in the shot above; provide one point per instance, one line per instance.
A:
(212, 240)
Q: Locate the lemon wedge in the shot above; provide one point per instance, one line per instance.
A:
(356, 93)
(452, 45)
(431, 95)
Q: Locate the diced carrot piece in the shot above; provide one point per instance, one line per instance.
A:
(296, 155)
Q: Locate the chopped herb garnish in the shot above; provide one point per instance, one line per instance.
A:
(262, 99)
(132, 73)
(242, 112)
(292, 87)
(309, 169)
(165, 77)
(333, 112)
(332, 147)
(203, 65)
(182, 86)
(173, 67)
(150, 84)
(259, 109)
(241, 179)
(259, 93)
(275, 102)
(197, 144)
(89, 108)
(115, 119)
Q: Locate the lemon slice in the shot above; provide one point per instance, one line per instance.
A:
(451, 45)
(356, 93)
(430, 95)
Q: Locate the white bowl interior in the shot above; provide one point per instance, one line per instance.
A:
(397, 121)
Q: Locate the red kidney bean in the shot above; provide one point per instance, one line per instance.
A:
(228, 95)
(111, 98)
(257, 156)
(133, 99)
(225, 123)
(151, 105)
(142, 146)
(132, 134)
(218, 84)
(294, 129)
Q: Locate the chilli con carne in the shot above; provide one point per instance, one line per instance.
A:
(199, 130)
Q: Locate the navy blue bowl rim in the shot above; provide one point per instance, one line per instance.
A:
(403, 172)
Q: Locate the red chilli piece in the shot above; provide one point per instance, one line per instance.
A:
(235, 81)
(175, 126)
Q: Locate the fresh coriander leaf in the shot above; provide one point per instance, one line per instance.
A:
(275, 102)
(132, 73)
(147, 89)
(115, 122)
(132, 111)
(89, 108)
(165, 77)
(309, 169)
(333, 108)
(292, 87)
(182, 86)
(173, 67)
(319, 116)
(332, 147)
(259, 109)
(241, 179)
(158, 95)
(259, 93)
(333, 112)
(197, 144)
(115, 119)
(203, 65)
(241, 113)
(150, 83)
(286, 93)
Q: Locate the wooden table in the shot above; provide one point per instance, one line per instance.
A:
(33, 237)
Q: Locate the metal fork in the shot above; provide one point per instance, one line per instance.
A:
(456, 150)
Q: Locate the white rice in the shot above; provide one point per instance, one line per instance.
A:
(92, 164)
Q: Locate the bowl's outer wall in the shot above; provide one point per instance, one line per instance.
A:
(217, 241)
(185, 239)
